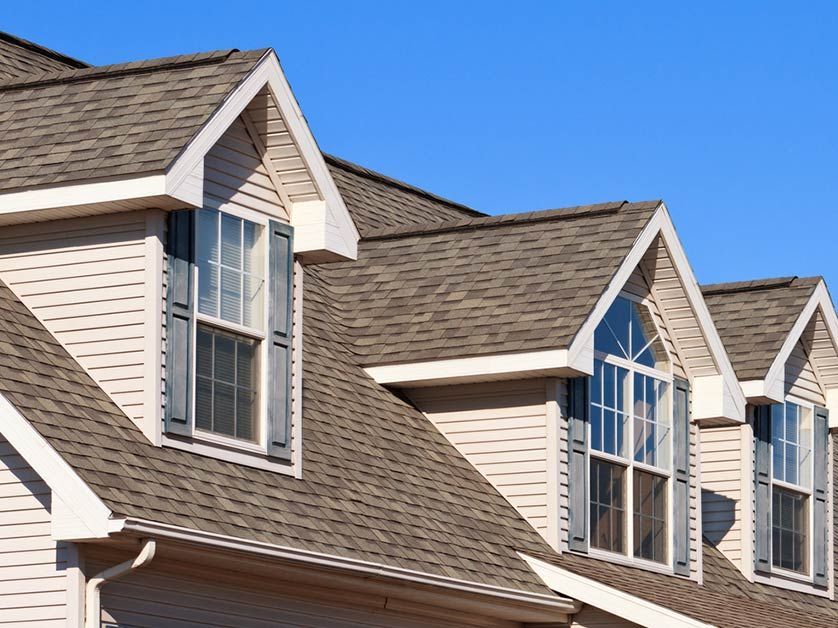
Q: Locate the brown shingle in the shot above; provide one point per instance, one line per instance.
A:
(19, 57)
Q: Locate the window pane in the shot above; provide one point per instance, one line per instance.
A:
(207, 245)
(231, 295)
(227, 380)
(253, 300)
(789, 530)
(649, 516)
(207, 288)
(612, 334)
(207, 262)
(231, 241)
(791, 442)
(596, 428)
(596, 383)
(253, 260)
(607, 506)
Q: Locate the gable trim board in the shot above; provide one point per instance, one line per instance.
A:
(78, 513)
(325, 230)
(609, 599)
(721, 397)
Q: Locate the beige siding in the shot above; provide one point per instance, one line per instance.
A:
(32, 567)
(236, 178)
(721, 484)
(85, 279)
(822, 350)
(592, 617)
(801, 380)
(159, 597)
(502, 430)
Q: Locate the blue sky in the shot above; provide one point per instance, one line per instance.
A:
(727, 111)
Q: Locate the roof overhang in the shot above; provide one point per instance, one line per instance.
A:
(609, 599)
(325, 230)
(718, 397)
(771, 389)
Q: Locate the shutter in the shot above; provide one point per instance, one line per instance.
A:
(280, 295)
(179, 297)
(577, 468)
(820, 525)
(681, 478)
(762, 487)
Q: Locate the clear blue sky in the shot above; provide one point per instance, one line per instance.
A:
(727, 111)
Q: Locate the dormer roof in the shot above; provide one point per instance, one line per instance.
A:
(20, 57)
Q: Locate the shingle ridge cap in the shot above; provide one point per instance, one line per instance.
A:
(130, 68)
(374, 175)
(503, 220)
(49, 53)
(759, 285)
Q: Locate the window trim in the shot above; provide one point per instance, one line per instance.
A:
(630, 464)
(260, 446)
(808, 575)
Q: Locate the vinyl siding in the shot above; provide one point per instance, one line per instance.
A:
(158, 597)
(502, 430)
(592, 617)
(32, 566)
(85, 280)
(721, 489)
(801, 380)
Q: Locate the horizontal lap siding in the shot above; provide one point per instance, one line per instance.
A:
(85, 280)
(502, 430)
(32, 581)
(721, 495)
(801, 380)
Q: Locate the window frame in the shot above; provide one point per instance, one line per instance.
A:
(629, 463)
(260, 445)
(803, 576)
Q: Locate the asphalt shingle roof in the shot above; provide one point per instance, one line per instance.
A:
(75, 125)
(483, 285)
(19, 57)
(754, 318)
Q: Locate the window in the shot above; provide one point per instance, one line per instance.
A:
(791, 472)
(229, 331)
(630, 435)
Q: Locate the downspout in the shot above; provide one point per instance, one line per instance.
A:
(92, 600)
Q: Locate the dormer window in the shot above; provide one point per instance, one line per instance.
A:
(228, 350)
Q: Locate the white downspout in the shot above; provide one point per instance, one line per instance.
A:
(92, 605)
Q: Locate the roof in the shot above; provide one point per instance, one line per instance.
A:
(483, 285)
(725, 599)
(77, 125)
(19, 57)
(376, 200)
(754, 318)
(381, 484)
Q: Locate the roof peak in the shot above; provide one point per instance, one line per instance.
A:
(121, 69)
(546, 215)
(398, 183)
(757, 285)
(31, 46)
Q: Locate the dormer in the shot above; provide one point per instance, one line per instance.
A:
(161, 237)
(766, 493)
(569, 356)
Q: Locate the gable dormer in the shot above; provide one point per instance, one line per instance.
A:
(766, 485)
(166, 253)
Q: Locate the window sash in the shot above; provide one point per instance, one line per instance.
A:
(792, 533)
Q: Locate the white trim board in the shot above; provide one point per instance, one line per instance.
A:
(77, 511)
(608, 598)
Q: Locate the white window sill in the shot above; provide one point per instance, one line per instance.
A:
(639, 563)
(247, 458)
(789, 580)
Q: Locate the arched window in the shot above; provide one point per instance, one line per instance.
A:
(630, 435)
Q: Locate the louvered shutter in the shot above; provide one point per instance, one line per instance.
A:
(578, 414)
(821, 527)
(179, 313)
(681, 478)
(762, 486)
(280, 294)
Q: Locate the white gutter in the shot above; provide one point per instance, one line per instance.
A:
(93, 605)
(365, 568)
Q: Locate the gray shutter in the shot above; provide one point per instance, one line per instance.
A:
(577, 467)
(179, 302)
(681, 478)
(280, 294)
(820, 564)
(762, 488)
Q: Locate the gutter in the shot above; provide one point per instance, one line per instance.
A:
(364, 568)
(92, 592)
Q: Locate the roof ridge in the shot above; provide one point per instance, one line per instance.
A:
(501, 220)
(117, 70)
(20, 42)
(398, 183)
(757, 285)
